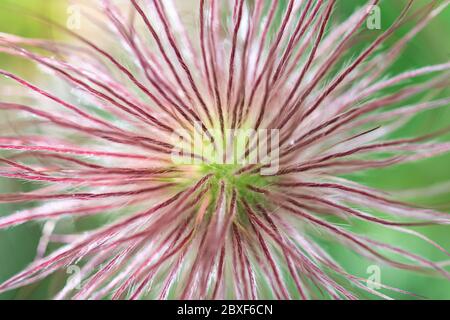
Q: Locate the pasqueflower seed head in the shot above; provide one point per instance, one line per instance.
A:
(208, 149)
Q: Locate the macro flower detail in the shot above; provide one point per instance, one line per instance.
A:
(210, 150)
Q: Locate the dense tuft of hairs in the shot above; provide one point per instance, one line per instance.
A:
(93, 138)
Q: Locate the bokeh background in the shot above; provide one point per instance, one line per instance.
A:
(431, 46)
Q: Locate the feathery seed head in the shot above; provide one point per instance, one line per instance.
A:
(217, 150)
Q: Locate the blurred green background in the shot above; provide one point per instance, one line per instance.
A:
(432, 46)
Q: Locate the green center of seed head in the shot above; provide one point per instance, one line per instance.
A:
(221, 153)
(227, 174)
(229, 148)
